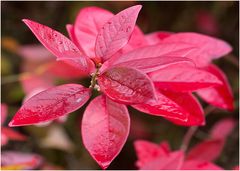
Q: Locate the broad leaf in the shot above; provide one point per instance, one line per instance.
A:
(223, 128)
(142, 55)
(59, 45)
(213, 48)
(157, 37)
(199, 165)
(165, 107)
(126, 85)
(51, 104)
(190, 104)
(207, 150)
(105, 128)
(116, 32)
(219, 96)
(182, 78)
(173, 161)
(87, 25)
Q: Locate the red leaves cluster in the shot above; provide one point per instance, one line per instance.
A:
(200, 157)
(155, 74)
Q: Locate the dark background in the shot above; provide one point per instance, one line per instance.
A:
(168, 16)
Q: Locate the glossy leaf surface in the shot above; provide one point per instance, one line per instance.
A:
(126, 85)
(165, 107)
(182, 78)
(220, 96)
(116, 32)
(105, 128)
(51, 104)
(58, 44)
(190, 104)
(87, 25)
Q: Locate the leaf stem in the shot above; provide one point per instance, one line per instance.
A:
(192, 130)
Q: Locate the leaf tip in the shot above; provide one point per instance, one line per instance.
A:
(12, 123)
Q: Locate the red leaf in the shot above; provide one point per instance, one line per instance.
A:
(141, 56)
(199, 165)
(108, 125)
(126, 85)
(207, 150)
(157, 37)
(116, 32)
(190, 104)
(220, 96)
(59, 45)
(87, 25)
(13, 135)
(4, 109)
(222, 128)
(165, 107)
(51, 104)
(212, 47)
(182, 78)
(173, 161)
(147, 151)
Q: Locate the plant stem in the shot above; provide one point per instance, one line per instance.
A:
(94, 77)
(192, 130)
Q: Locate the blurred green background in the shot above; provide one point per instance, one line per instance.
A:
(166, 16)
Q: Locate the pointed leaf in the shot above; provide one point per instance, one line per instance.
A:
(87, 25)
(220, 96)
(108, 123)
(173, 161)
(116, 32)
(207, 150)
(165, 107)
(13, 135)
(126, 85)
(190, 104)
(182, 78)
(199, 165)
(223, 128)
(168, 51)
(157, 37)
(51, 104)
(212, 47)
(58, 44)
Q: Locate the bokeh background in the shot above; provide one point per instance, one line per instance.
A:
(219, 19)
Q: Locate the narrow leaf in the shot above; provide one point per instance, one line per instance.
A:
(126, 85)
(87, 25)
(220, 96)
(58, 44)
(105, 128)
(71, 33)
(182, 78)
(116, 32)
(13, 135)
(51, 104)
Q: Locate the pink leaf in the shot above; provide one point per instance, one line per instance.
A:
(58, 44)
(212, 47)
(14, 160)
(157, 37)
(4, 110)
(190, 104)
(71, 33)
(126, 85)
(105, 128)
(182, 78)
(223, 128)
(116, 32)
(165, 107)
(147, 151)
(207, 150)
(51, 104)
(87, 25)
(199, 165)
(220, 96)
(13, 135)
(167, 51)
(173, 161)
